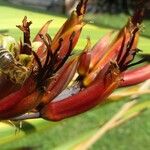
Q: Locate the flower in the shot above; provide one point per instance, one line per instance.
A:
(33, 74)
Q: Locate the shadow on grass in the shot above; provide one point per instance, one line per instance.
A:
(4, 31)
(27, 128)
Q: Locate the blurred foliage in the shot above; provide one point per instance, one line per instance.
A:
(115, 6)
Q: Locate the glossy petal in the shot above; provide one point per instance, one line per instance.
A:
(60, 81)
(73, 25)
(84, 100)
(85, 60)
(43, 31)
(135, 76)
(10, 102)
(99, 49)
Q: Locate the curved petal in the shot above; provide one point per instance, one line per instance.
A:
(9, 102)
(60, 81)
(82, 101)
(135, 76)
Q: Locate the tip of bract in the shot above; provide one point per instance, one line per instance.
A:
(81, 7)
(137, 18)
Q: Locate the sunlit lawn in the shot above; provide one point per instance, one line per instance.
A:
(47, 135)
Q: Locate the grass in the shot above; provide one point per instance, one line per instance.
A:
(133, 135)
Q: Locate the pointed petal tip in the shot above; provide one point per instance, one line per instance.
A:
(137, 18)
(81, 7)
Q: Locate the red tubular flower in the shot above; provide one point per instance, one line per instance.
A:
(73, 25)
(84, 100)
(107, 78)
(49, 69)
(44, 68)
